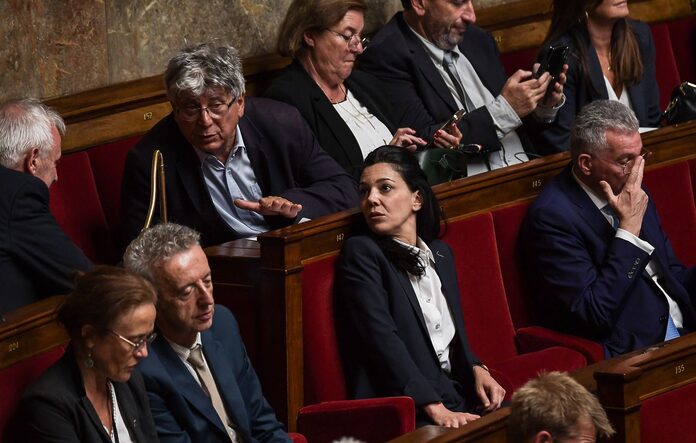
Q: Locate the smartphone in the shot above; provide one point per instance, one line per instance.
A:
(452, 120)
(553, 62)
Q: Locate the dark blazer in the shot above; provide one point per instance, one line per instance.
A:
(645, 95)
(592, 284)
(384, 340)
(182, 410)
(284, 155)
(56, 409)
(37, 259)
(417, 89)
(295, 87)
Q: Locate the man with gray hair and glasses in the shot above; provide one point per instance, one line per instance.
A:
(37, 259)
(200, 382)
(593, 247)
(235, 167)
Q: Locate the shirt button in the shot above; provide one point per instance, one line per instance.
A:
(428, 300)
(437, 326)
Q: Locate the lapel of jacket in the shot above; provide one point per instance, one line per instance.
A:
(637, 95)
(224, 375)
(596, 75)
(324, 110)
(449, 286)
(128, 408)
(184, 382)
(405, 283)
(586, 209)
(255, 144)
(425, 64)
(367, 99)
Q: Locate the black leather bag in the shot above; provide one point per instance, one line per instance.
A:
(442, 165)
(682, 106)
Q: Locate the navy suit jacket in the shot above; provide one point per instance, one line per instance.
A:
(645, 95)
(284, 154)
(295, 87)
(384, 340)
(56, 408)
(592, 284)
(397, 57)
(37, 259)
(182, 410)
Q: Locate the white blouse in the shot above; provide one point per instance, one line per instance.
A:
(368, 130)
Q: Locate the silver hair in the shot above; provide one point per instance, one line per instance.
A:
(156, 245)
(589, 133)
(26, 124)
(197, 69)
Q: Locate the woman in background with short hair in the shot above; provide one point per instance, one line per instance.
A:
(346, 109)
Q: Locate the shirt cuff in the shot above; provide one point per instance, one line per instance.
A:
(504, 117)
(635, 241)
(547, 114)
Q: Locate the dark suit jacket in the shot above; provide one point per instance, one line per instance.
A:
(417, 89)
(37, 259)
(645, 95)
(591, 283)
(284, 155)
(56, 409)
(295, 87)
(385, 343)
(182, 410)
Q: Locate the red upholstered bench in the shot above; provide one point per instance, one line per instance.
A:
(330, 415)
(669, 416)
(667, 72)
(672, 191)
(682, 34)
(486, 315)
(521, 59)
(17, 377)
(86, 200)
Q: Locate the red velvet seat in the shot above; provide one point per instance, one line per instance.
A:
(486, 314)
(108, 162)
(672, 191)
(330, 415)
(507, 222)
(76, 206)
(682, 34)
(669, 416)
(521, 59)
(15, 378)
(667, 72)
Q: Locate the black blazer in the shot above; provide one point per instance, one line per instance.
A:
(645, 95)
(56, 409)
(384, 341)
(37, 259)
(284, 155)
(397, 57)
(295, 87)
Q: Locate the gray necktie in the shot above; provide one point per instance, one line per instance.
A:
(449, 64)
(210, 388)
(610, 212)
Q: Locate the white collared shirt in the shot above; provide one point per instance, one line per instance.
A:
(651, 268)
(369, 131)
(433, 304)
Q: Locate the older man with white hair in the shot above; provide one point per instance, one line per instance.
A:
(37, 259)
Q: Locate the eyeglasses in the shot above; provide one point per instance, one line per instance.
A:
(352, 40)
(137, 346)
(215, 111)
(627, 167)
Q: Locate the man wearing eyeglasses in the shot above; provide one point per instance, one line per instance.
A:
(200, 382)
(592, 244)
(235, 167)
(434, 61)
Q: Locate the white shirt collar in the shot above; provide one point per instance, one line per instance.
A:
(182, 351)
(598, 201)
